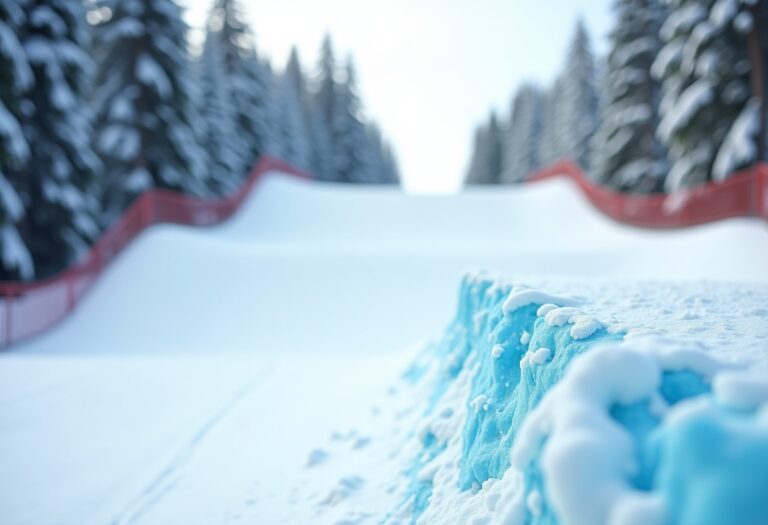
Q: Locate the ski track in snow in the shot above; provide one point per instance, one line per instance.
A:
(167, 479)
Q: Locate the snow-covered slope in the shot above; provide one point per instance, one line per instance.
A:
(194, 381)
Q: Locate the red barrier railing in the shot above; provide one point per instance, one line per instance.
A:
(744, 193)
(27, 309)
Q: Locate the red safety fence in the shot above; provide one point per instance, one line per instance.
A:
(27, 309)
(744, 193)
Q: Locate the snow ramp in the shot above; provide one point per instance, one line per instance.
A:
(231, 352)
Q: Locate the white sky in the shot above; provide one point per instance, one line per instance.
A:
(429, 70)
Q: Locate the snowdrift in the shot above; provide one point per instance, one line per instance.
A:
(532, 412)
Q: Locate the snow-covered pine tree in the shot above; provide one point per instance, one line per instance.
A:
(249, 79)
(59, 176)
(292, 133)
(351, 145)
(227, 148)
(578, 102)
(709, 120)
(388, 170)
(271, 142)
(485, 164)
(295, 75)
(15, 260)
(626, 152)
(383, 163)
(601, 81)
(551, 149)
(146, 120)
(520, 152)
(321, 113)
(321, 147)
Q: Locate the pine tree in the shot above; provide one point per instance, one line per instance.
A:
(576, 119)
(59, 175)
(627, 154)
(322, 114)
(384, 165)
(351, 147)
(551, 147)
(708, 122)
(485, 165)
(520, 152)
(321, 147)
(250, 80)
(146, 123)
(292, 133)
(227, 149)
(15, 260)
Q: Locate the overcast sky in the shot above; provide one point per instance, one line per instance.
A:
(429, 70)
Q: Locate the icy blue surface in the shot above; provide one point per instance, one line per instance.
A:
(713, 469)
(513, 392)
(479, 325)
(641, 423)
(701, 480)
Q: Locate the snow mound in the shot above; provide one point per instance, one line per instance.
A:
(538, 414)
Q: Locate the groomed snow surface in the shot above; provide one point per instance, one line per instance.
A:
(271, 371)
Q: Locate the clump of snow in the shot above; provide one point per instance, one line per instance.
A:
(739, 147)
(544, 309)
(583, 325)
(14, 253)
(539, 357)
(479, 403)
(741, 390)
(743, 22)
(520, 298)
(695, 96)
(149, 72)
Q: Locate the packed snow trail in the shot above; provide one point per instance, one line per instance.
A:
(196, 379)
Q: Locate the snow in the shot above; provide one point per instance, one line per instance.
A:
(695, 96)
(479, 403)
(741, 390)
(723, 11)
(668, 55)
(10, 47)
(739, 147)
(11, 135)
(14, 253)
(743, 22)
(149, 72)
(682, 19)
(11, 204)
(519, 298)
(45, 17)
(539, 357)
(250, 372)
